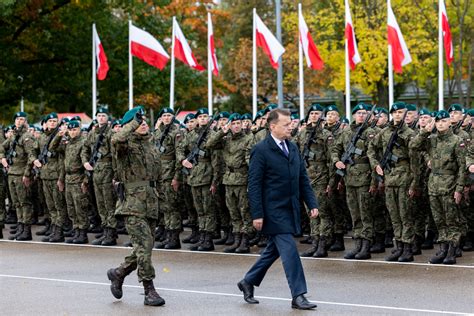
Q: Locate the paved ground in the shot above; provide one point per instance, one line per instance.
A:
(38, 279)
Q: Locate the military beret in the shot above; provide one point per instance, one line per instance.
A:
(470, 112)
(115, 123)
(76, 118)
(235, 117)
(331, 108)
(201, 111)
(223, 114)
(189, 117)
(65, 120)
(398, 106)
(315, 107)
(424, 112)
(434, 113)
(380, 110)
(271, 106)
(411, 107)
(20, 114)
(130, 114)
(295, 116)
(165, 110)
(102, 110)
(38, 129)
(247, 116)
(73, 124)
(455, 107)
(51, 116)
(443, 114)
(259, 114)
(359, 107)
(344, 120)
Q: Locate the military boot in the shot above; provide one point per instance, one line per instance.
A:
(235, 245)
(364, 252)
(100, 238)
(311, 250)
(389, 239)
(19, 230)
(162, 244)
(1, 230)
(174, 242)
(379, 244)
(262, 243)
(74, 236)
(396, 253)
(416, 247)
(222, 240)
(110, 238)
(57, 235)
(47, 230)
(441, 254)
(48, 236)
(13, 229)
(255, 239)
(322, 248)
(81, 238)
(451, 254)
(159, 232)
(230, 238)
(429, 240)
(469, 244)
(244, 246)
(357, 247)
(308, 240)
(116, 277)
(202, 235)
(193, 237)
(407, 255)
(26, 234)
(338, 244)
(11, 217)
(208, 244)
(152, 298)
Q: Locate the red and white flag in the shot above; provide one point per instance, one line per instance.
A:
(212, 48)
(147, 48)
(400, 54)
(182, 51)
(313, 59)
(268, 42)
(354, 57)
(447, 39)
(101, 58)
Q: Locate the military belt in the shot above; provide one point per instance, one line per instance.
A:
(239, 170)
(105, 159)
(204, 159)
(167, 157)
(443, 172)
(133, 185)
(363, 160)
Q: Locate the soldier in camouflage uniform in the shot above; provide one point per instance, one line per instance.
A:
(246, 123)
(139, 170)
(263, 131)
(3, 190)
(469, 243)
(447, 160)
(19, 174)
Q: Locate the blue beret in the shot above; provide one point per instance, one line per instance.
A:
(331, 108)
(455, 107)
(165, 110)
(295, 116)
(51, 116)
(223, 115)
(247, 116)
(424, 112)
(315, 107)
(201, 111)
(344, 120)
(102, 110)
(189, 117)
(76, 118)
(443, 114)
(130, 114)
(271, 106)
(398, 106)
(380, 110)
(411, 107)
(20, 114)
(73, 124)
(235, 117)
(359, 107)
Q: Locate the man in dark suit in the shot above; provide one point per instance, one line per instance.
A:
(277, 180)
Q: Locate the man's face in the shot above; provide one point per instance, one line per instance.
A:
(143, 128)
(424, 120)
(102, 118)
(191, 124)
(167, 118)
(443, 125)
(222, 121)
(263, 121)
(19, 121)
(294, 123)
(411, 117)
(37, 134)
(117, 127)
(258, 122)
(332, 117)
(359, 116)
(236, 126)
(456, 116)
(52, 123)
(281, 129)
(314, 116)
(383, 119)
(246, 124)
(74, 132)
(398, 115)
(203, 119)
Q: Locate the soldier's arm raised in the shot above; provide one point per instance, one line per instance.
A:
(119, 139)
(55, 143)
(214, 139)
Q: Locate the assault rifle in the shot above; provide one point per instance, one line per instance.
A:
(159, 143)
(12, 150)
(45, 153)
(307, 153)
(388, 158)
(96, 155)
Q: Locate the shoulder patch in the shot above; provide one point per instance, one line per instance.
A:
(371, 135)
(462, 145)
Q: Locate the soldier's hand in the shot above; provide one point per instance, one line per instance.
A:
(225, 128)
(412, 193)
(62, 131)
(314, 213)
(429, 127)
(88, 166)
(471, 168)
(187, 164)
(4, 162)
(213, 189)
(26, 181)
(340, 165)
(258, 223)
(84, 187)
(60, 185)
(340, 186)
(175, 185)
(379, 170)
(373, 190)
(158, 123)
(457, 197)
(37, 163)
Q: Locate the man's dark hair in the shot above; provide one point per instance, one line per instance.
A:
(274, 115)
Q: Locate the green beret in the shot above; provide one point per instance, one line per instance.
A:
(201, 111)
(115, 123)
(380, 111)
(246, 116)
(295, 116)
(398, 106)
(73, 124)
(455, 107)
(411, 107)
(76, 118)
(271, 106)
(165, 110)
(235, 117)
(359, 107)
(470, 112)
(331, 108)
(102, 110)
(65, 120)
(424, 112)
(434, 113)
(223, 115)
(51, 116)
(20, 114)
(130, 114)
(189, 117)
(38, 129)
(315, 107)
(443, 114)
(344, 120)
(259, 114)
(31, 126)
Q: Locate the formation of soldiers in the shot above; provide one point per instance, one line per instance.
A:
(404, 183)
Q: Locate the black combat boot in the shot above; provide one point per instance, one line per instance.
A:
(311, 250)
(469, 244)
(396, 253)
(389, 239)
(116, 277)
(222, 240)
(47, 229)
(100, 237)
(357, 247)
(48, 237)
(429, 240)
(202, 235)
(19, 231)
(451, 254)
(262, 243)
(174, 242)
(235, 245)
(193, 237)
(338, 244)
(208, 244)
(308, 240)
(441, 254)
(57, 235)
(1, 230)
(75, 234)
(416, 247)
(244, 246)
(152, 298)
(364, 252)
(11, 217)
(13, 229)
(255, 239)
(26, 234)
(322, 248)
(407, 255)
(159, 232)
(379, 244)
(110, 237)
(162, 244)
(230, 238)
(81, 238)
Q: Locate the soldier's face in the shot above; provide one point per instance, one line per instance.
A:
(294, 123)
(263, 121)
(411, 117)
(246, 123)
(359, 116)
(456, 116)
(383, 119)
(222, 121)
(314, 116)
(281, 129)
(74, 132)
(424, 119)
(117, 127)
(191, 124)
(236, 127)
(143, 128)
(443, 125)
(332, 117)
(19, 121)
(398, 115)
(167, 118)
(203, 119)
(258, 122)
(52, 123)
(102, 118)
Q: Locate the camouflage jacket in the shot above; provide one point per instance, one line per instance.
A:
(73, 164)
(103, 171)
(167, 152)
(50, 170)
(25, 153)
(260, 135)
(138, 168)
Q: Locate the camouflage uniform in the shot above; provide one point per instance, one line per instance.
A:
(3, 189)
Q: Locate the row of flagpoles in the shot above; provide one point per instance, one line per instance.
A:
(145, 47)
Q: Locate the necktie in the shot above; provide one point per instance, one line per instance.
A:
(283, 147)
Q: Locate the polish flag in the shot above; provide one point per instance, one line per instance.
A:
(448, 41)
(147, 48)
(102, 65)
(400, 54)
(182, 51)
(354, 57)
(268, 42)
(313, 59)
(212, 48)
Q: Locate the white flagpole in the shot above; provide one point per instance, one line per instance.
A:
(130, 68)
(209, 64)
(440, 60)
(94, 73)
(254, 66)
(172, 66)
(301, 70)
(348, 83)
(390, 77)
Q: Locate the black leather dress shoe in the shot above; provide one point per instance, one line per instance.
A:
(247, 289)
(300, 302)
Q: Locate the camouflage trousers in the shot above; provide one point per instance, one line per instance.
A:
(446, 217)
(3, 196)
(238, 205)
(397, 201)
(378, 208)
(358, 201)
(21, 199)
(169, 206)
(55, 202)
(189, 203)
(323, 224)
(77, 204)
(470, 213)
(202, 203)
(337, 207)
(104, 196)
(420, 205)
(220, 208)
(141, 231)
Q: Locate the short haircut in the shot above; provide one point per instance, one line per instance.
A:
(274, 115)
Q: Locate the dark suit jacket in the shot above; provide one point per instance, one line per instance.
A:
(276, 184)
